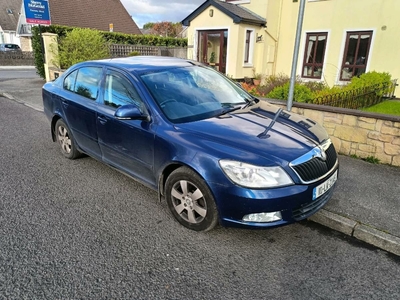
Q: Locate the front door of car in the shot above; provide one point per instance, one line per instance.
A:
(126, 144)
(78, 101)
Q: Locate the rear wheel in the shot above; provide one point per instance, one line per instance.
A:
(190, 200)
(66, 140)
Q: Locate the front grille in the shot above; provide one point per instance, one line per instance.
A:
(308, 209)
(315, 168)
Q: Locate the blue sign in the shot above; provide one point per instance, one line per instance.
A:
(37, 12)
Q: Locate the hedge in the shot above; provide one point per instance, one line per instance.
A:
(110, 37)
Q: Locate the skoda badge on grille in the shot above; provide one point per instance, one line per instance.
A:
(318, 152)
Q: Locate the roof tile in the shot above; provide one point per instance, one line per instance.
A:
(97, 14)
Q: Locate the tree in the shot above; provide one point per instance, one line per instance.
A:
(166, 29)
(148, 25)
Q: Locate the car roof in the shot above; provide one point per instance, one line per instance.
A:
(144, 64)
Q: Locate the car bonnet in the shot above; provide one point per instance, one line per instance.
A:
(263, 130)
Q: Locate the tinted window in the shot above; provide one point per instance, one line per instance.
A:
(69, 81)
(87, 82)
(119, 91)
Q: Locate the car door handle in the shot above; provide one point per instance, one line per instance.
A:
(103, 120)
(65, 103)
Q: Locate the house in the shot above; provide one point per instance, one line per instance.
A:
(106, 15)
(9, 13)
(96, 14)
(340, 38)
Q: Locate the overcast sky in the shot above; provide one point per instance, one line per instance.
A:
(144, 11)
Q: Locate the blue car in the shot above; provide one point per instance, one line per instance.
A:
(215, 153)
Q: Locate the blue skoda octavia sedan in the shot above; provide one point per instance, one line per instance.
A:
(215, 153)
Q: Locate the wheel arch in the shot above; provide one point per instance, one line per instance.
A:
(168, 170)
(53, 126)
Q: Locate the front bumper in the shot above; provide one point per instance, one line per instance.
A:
(294, 202)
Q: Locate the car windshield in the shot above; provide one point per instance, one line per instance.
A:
(187, 94)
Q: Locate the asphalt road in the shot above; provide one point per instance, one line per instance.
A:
(10, 72)
(81, 230)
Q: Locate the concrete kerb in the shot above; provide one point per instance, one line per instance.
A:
(363, 232)
(10, 97)
(16, 67)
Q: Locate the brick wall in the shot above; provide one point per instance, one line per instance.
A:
(355, 132)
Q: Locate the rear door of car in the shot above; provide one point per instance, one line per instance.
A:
(78, 100)
(125, 144)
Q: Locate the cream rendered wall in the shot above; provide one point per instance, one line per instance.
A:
(337, 17)
(236, 40)
(219, 21)
(264, 50)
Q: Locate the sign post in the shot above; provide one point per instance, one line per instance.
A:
(37, 12)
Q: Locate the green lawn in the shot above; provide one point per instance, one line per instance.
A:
(390, 107)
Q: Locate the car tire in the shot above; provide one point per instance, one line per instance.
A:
(66, 140)
(190, 200)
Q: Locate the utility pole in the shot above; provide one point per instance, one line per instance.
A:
(296, 54)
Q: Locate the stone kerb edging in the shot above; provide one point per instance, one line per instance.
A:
(355, 132)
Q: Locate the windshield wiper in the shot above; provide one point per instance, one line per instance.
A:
(229, 110)
(250, 102)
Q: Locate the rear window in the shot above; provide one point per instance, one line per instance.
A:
(11, 46)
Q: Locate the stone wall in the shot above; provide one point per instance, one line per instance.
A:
(17, 59)
(355, 132)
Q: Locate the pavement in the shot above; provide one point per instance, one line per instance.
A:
(365, 203)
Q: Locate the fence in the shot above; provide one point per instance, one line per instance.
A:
(118, 50)
(359, 98)
(392, 89)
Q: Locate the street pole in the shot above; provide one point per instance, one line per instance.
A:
(296, 54)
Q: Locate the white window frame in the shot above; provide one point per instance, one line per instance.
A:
(251, 47)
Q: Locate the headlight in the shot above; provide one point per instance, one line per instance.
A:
(254, 176)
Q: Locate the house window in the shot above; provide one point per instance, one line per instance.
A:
(355, 56)
(248, 47)
(314, 55)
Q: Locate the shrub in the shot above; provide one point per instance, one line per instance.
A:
(301, 93)
(380, 80)
(110, 37)
(316, 86)
(37, 44)
(81, 44)
(134, 53)
(324, 95)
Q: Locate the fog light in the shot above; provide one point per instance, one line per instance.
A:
(263, 217)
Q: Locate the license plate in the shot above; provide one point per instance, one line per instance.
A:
(325, 186)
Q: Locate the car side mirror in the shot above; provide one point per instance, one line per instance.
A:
(130, 112)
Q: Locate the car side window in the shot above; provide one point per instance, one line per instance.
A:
(87, 82)
(120, 91)
(84, 82)
(69, 81)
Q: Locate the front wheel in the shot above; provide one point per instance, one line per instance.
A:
(66, 140)
(190, 200)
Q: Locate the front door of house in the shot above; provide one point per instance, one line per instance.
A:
(213, 48)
